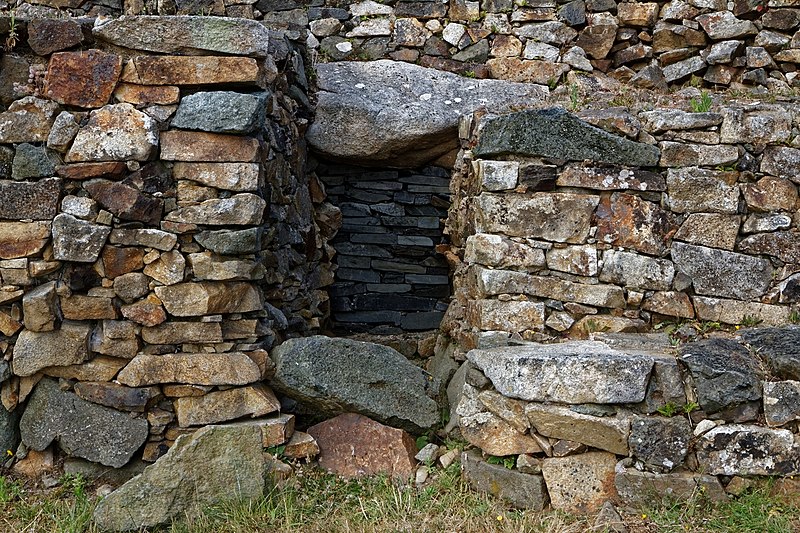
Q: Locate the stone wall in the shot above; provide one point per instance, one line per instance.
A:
(651, 44)
(157, 231)
(566, 229)
(630, 419)
(389, 278)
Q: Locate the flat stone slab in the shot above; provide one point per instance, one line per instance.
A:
(399, 114)
(83, 429)
(522, 491)
(637, 489)
(573, 372)
(556, 133)
(780, 347)
(189, 35)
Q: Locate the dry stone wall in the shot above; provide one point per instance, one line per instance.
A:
(567, 229)
(742, 44)
(158, 233)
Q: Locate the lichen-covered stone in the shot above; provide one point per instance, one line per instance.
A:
(660, 442)
(637, 488)
(556, 133)
(522, 491)
(628, 220)
(27, 120)
(135, 136)
(723, 274)
(747, 450)
(77, 240)
(186, 35)
(190, 70)
(221, 112)
(580, 483)
(723, 371)
(781, 402)
(29, 200)
(560, 217)
(636, 271)
(570, 373)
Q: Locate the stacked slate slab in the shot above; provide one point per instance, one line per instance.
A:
(389, 277)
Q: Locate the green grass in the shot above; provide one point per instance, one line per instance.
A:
(313, 501)
(755, 511)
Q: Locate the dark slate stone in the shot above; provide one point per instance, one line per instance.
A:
(9, 430)
(779, 347)
(522, 491)
(724, 372)
(228, 242)
(6, 158)
(660, 442)
(721, 273)
(36, 201)
(336, 375)
(558, 134)
(125, 201)
(221, 112)
(83, 429)
(573, 13)
(33, 162)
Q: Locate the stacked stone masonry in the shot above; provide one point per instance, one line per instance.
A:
(157, 231)
(389, 277)
(629, 420)
(567, 229)
(741, 44)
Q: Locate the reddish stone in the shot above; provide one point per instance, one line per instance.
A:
(145, 312)
(22, 239)
(190, 70)
(352, 445)
(82, 171)
(78, 307)
(126, 202)
(119, 261)
(117, 396)
(526, 71)
(200, 146)
(83, 79)
(46, 36)
(627, 220)
(147, 94)
(785, 245)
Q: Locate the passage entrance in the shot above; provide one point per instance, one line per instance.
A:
(389, 278)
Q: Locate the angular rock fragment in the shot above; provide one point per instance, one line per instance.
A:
(83, 79)
(221, 112)
(233, 368)
(556, 133)
(77, 240)
(37, 350)
(200, 146)
(605, 433)
(781, 402)
(629, 221)
(135, 136)
(220, 406)
(332, 375)
(208, 297)
(746, 450)
(83, 429)
(522, 491)
(214, 465)
(724, 373)
(27, 120)
(352, 445)
(580, 483)
(720, 273)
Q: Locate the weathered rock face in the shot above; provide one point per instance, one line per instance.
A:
(66, 346)
(135, 136)
(605, 433)
(396, 123)
(720, 273)
(352, 445)
(779, 348)
(192, 35)
(332, 376)
(214, 465)
(556, 133)
(723, 371)
(660, 442)
(82, 429)
(523, 491)
(580, 483)
(744, 450)
(570, 373)
(643, 488)
(232, 368)
(221, 112)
